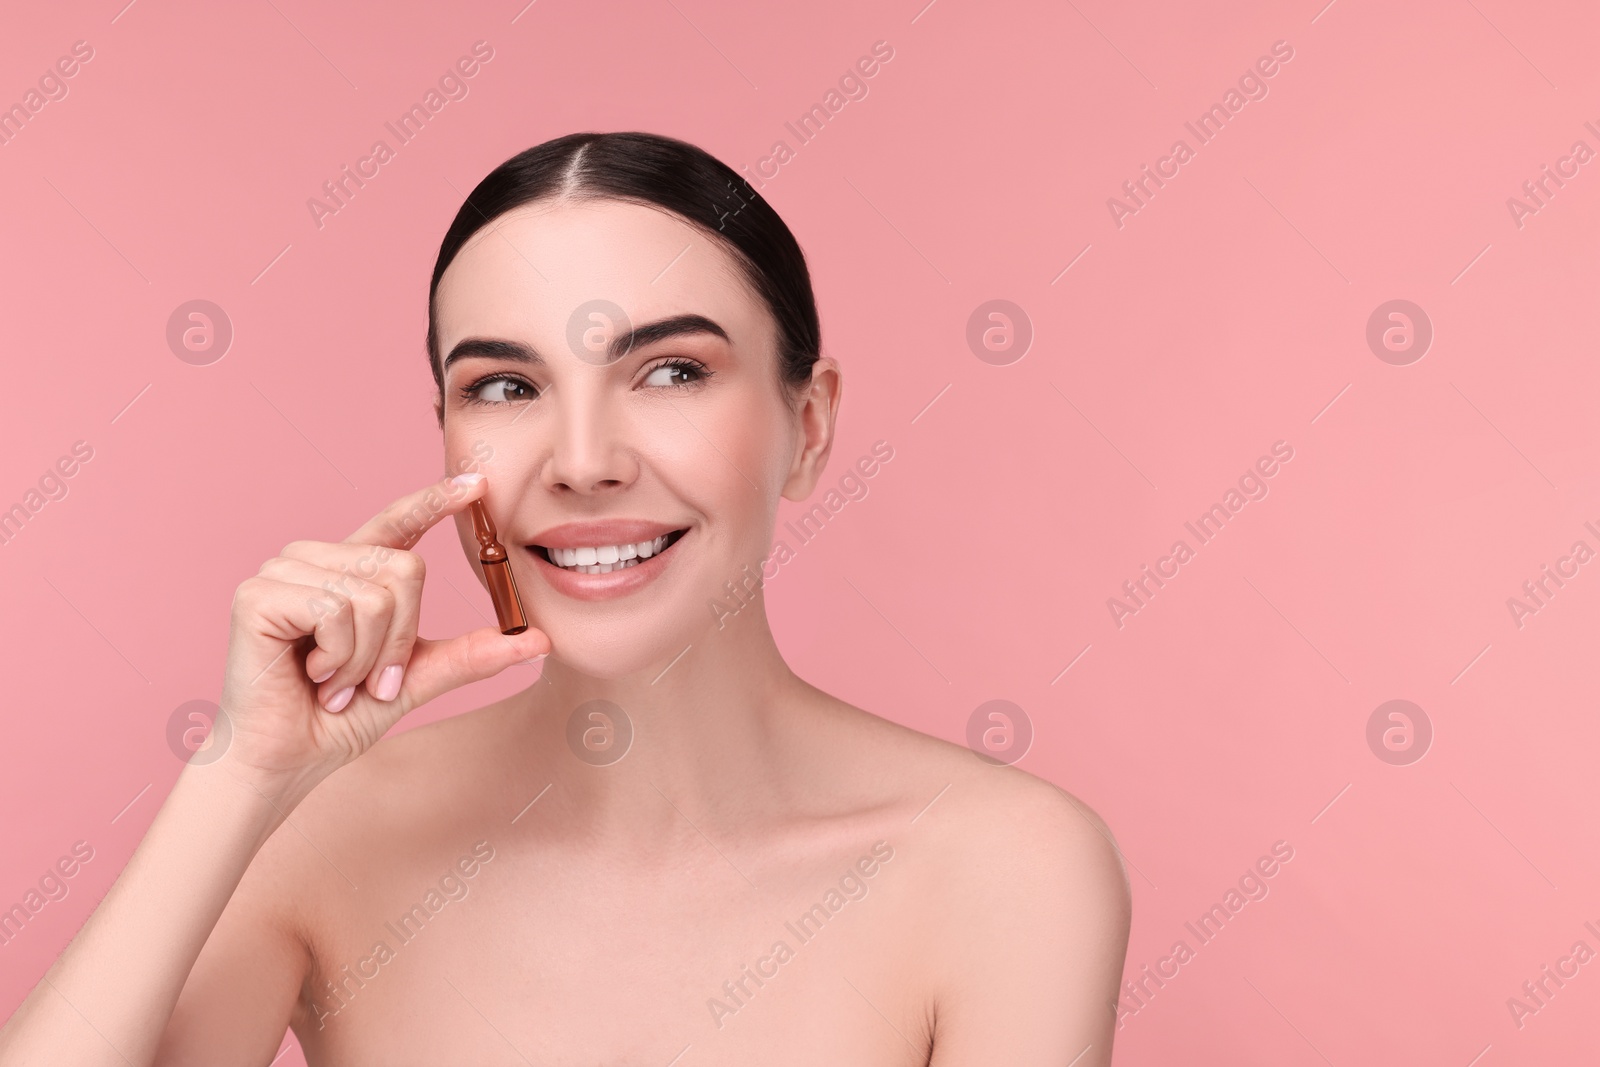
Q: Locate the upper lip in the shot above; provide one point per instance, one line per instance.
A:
(598, 533)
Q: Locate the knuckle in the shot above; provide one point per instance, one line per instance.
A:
(409, 566)
(247, 595)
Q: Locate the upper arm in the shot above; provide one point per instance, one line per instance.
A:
(1039, 939)
(238, 999)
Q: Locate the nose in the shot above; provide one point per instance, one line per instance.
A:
(588, 454)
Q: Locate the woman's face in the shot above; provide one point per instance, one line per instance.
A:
(592, 446)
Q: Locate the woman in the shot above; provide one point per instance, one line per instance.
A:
(669, 849)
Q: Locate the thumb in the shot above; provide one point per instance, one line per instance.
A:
(436, 667)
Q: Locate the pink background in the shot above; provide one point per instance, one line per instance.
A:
(1224, 316)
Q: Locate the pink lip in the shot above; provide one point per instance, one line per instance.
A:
(601, 532)
(580, 586)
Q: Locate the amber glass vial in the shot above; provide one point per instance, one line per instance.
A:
(497, 572)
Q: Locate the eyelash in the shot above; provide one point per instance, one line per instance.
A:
(684, 363)
(469, 391)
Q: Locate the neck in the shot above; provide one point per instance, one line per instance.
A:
(707, 726)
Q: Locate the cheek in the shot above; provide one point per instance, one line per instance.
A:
(726, 457)
(487, 445)
(700, 463)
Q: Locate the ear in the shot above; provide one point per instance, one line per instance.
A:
(814, 431)
(438, 408)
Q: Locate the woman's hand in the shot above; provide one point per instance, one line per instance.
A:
(345, 614)
(324, 657)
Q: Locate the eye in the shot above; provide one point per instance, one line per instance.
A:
(676, 373)
(497, 389)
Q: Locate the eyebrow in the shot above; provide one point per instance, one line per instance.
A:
(637, 337)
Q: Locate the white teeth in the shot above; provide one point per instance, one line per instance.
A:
(603, 559)
(606, 568)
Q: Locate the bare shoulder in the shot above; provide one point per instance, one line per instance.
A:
(969, 808)
(1021, 907)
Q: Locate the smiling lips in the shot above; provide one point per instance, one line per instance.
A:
(594, 560)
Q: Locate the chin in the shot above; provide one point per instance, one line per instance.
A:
(641, 642)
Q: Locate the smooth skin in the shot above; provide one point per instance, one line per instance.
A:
(963, 914)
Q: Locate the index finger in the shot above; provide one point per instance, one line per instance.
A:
(402, 523)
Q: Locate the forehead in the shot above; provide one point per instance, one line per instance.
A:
(530, 271)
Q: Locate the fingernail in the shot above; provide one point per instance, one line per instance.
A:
(389, 682)
(326, 676)
(468, 479)
(341, 698)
